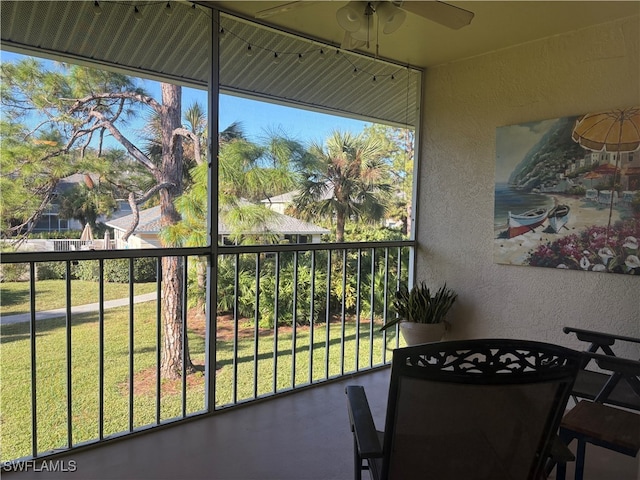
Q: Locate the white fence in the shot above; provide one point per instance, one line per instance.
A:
(64, 245)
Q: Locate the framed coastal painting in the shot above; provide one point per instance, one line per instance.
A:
(567, 193)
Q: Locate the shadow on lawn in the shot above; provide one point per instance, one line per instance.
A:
(20, 296)
(22, 331)
(227, 346)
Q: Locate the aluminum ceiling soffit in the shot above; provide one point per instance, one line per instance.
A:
(174, 48)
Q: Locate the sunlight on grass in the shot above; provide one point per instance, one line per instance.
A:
(51, 379)
(51, 373)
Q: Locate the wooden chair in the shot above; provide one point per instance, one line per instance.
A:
(476, 409)
(600, 423)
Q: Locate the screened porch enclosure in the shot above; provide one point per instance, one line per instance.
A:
(86, 329)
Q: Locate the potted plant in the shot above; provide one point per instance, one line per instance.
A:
(421, 314)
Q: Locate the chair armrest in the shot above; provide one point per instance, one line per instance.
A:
(621, 365)
(599, 338)
(591, 385)
(362, 423)
(621, 387)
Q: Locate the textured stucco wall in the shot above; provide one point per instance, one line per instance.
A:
(588, 70)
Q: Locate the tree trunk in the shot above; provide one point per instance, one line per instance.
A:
(171, 365)
(172, 327)
(340, 226)
(201, 272)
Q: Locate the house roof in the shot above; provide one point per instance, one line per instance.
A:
(284, 198)
(69, 182)
(281, 224)
(606, 169)
(149, 221)
(289, 196)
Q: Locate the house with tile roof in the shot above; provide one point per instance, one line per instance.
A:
(146, 234)
(279, 203)
(50, 220)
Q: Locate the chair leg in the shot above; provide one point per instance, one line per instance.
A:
(561, 471)
(580, 452)
(561, 468)
(357, 460)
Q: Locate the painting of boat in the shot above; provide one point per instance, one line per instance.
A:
(558, 217)
(525, 222)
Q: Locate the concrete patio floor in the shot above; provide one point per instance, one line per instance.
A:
(301, 436)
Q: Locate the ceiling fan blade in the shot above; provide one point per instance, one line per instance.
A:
(439, 12)
(282, 8)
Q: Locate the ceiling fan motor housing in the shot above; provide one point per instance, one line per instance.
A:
(354, 17)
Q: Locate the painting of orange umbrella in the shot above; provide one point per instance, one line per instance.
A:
(613, 131)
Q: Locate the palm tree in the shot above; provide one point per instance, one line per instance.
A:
(232, 132)
(348, 179)
(86, 203)
(246, 171)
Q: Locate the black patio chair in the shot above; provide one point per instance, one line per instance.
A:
(600, 422)
(476, 409)
(600, 381)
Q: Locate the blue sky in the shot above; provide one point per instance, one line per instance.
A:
(297, 123)
(257, 118)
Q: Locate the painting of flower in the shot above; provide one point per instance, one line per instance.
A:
(587, 250)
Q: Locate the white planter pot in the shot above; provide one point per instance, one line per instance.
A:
(417, 333)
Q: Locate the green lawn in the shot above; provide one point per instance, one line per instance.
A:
(51, 294)
(15, 371)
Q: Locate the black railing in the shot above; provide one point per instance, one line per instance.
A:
(84, 363)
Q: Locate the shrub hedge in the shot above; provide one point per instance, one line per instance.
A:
(115, 270)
